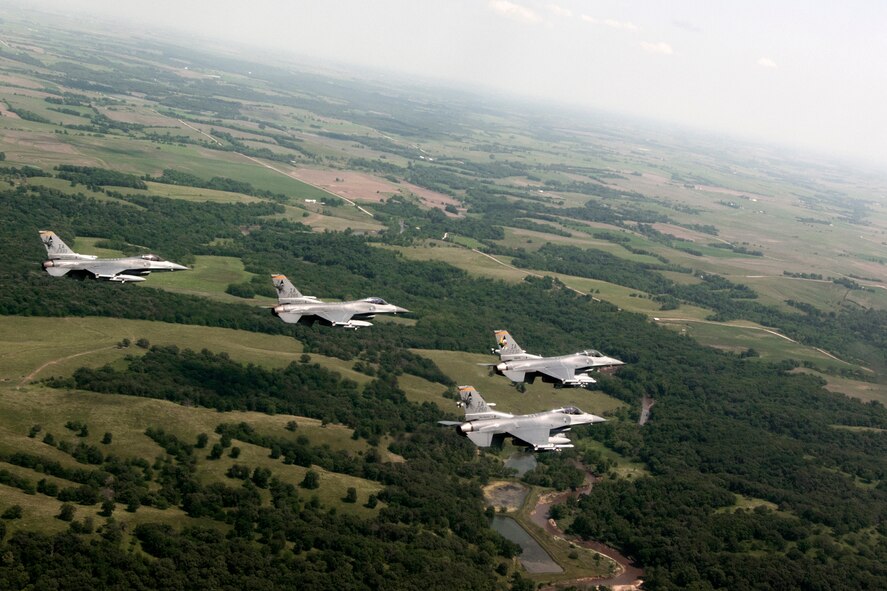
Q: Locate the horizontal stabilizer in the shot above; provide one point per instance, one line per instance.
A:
(449, 423)
(515, 376)
(289, 317)
(57, 271)
(482, 439)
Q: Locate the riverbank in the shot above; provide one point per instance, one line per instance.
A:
(583, 563)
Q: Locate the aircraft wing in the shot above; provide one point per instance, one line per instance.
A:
(532, 435)
(334, 316)
(558, 371)
(106, 269)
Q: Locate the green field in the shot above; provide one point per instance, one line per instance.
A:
(737, 337)
(35, 348)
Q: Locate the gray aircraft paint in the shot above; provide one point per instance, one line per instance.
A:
(62, 261)
(293, 306)
(542, 431)
(519, 366)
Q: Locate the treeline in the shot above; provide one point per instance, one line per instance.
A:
(98, 177)
(305, 389)
(176, 228)
(176, 177)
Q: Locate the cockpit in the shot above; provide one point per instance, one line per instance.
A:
(377, 301)
(151, 257)
(592, 353)
(571, 410)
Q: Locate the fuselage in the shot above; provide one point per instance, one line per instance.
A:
(575, 362)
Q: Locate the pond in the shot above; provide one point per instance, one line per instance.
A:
(534, 558)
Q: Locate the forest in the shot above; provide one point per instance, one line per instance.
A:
(749, 475)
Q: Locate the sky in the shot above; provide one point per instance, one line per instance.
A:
(804, 73)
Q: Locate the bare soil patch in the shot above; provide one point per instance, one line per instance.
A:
(5, 112)
(42, 142)
(360, 186)
(19, 81)
(509, 495)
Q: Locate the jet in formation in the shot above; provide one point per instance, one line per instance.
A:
(64, 261)
(294, 307)
(519, 366)
(542, 431)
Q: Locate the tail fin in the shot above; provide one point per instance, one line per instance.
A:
(475, 406)
(508, 347)
(56, 247)
(285, 289)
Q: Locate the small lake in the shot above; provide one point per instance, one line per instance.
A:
(522, 462)
(534, 558)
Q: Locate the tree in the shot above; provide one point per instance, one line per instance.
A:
(14, 512)
(107, 507)
(350, 495)
(202, 440)
(216, 452)
(66, 513)
(106, 439)
(311, 480)
(291, 426)
(235, 452)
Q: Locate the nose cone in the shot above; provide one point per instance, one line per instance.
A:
(178, 267)
(589, 418)
(399, 310)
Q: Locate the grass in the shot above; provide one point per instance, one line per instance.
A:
(477, 264)
(209, 276)
(197, 194)
(865, 391)
(740, 336)
(27, 343)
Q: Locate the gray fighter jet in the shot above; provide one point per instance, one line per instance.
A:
(519, 366)
(294, 307)
(542, 431)
(64, 261)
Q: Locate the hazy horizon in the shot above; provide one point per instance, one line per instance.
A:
(753, 70)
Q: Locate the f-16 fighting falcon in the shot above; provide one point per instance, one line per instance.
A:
(542, 431)
(294, 307)
(519, 366)
(64, 261)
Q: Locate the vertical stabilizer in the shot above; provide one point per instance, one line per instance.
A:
(286, 291)
(475, 406)
(57, 249)
(508, 347)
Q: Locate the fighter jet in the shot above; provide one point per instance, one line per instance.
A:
(64, 261)
(294, 307)
(542, 431)
(519, 366)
